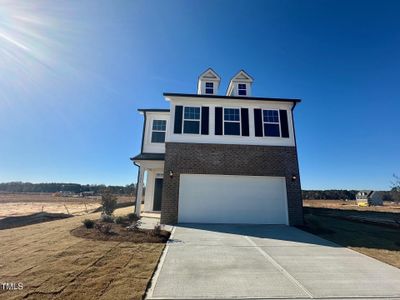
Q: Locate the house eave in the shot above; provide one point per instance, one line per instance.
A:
(181, 95)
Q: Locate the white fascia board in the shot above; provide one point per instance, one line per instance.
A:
(187, 101)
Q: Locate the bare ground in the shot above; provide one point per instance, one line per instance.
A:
(12, 205)
(53, 264)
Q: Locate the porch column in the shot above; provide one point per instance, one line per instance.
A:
(139, 194)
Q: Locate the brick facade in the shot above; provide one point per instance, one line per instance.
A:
(190, 158)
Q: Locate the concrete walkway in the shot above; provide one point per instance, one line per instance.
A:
(266, 261)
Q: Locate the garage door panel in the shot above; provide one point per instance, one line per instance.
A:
(232, 199)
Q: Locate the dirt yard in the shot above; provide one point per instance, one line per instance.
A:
(52, 264)
(12, 205)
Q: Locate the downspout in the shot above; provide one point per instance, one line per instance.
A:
(138, 166)
(298, 167)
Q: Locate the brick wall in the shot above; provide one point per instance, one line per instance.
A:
(183, 158)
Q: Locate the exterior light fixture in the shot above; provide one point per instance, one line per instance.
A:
(294, 177)
(171, 174)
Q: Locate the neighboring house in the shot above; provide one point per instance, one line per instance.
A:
(214, 158)
(368, 197)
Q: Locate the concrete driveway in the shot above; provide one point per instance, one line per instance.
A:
(266, 261)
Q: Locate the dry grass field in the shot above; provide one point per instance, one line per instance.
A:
(351, 205)
(12, 205)
(53, 264)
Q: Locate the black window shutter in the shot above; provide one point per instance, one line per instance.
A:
(204, 119)
(218, 121)
(178, 119)
(284, 123)
(258, 123)
(244, 112)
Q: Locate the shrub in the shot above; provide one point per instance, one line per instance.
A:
(107, 218)
(119, 220)
(134, 226)
(108, 202)
(132, 217)
(88, 223)
(156, 230)
(104, 228)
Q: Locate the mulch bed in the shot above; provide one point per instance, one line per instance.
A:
(119, 233)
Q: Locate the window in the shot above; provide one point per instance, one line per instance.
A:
(209, 88)
(158, 131)
(191, 120)
(242, 89)
(231, 121)
(271, 123)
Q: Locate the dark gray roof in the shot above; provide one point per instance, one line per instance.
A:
(231, 97)
(149, 156)
(153, 109)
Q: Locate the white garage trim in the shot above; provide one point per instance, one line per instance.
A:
(209, 198)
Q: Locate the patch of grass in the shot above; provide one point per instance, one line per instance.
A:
(382, 243)
(53, 264)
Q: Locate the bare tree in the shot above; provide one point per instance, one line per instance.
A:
(396, 188)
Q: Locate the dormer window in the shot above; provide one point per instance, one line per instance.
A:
(242, 91)
(158, 131)
(208, 83)
(210, 88)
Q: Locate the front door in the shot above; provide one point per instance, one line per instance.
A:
(157, 194)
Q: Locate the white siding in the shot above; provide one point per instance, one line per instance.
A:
(148, 146)
(221, 139)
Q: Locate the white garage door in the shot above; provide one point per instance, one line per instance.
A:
(232, 199)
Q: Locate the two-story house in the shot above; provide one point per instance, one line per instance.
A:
(214, 158)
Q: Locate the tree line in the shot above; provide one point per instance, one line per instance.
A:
(28, 187)
(329, 194)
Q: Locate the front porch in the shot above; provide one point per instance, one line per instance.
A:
(149, 186)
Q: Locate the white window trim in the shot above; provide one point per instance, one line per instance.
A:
(246, 89)
(279, 124)
(230, 121)
(156, 130)
(205, 88)
(183, 122)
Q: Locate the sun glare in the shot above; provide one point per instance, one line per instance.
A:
(32, 48)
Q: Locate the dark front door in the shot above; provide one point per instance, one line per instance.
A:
(157, 194)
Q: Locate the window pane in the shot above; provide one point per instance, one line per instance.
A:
(231, 114)
(242, 86)
(271, 116)
(191, 127)
(271, 130)
(209, 85)
(242, 92)
(158, 137)
(192, 113)
(159, 125)
(209, 91)
(231, 128)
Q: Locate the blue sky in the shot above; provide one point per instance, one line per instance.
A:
(73, 73)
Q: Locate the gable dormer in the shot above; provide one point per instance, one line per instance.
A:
(240, 85)
(208, 83)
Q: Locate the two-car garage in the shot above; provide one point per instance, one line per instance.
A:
(235, 199)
